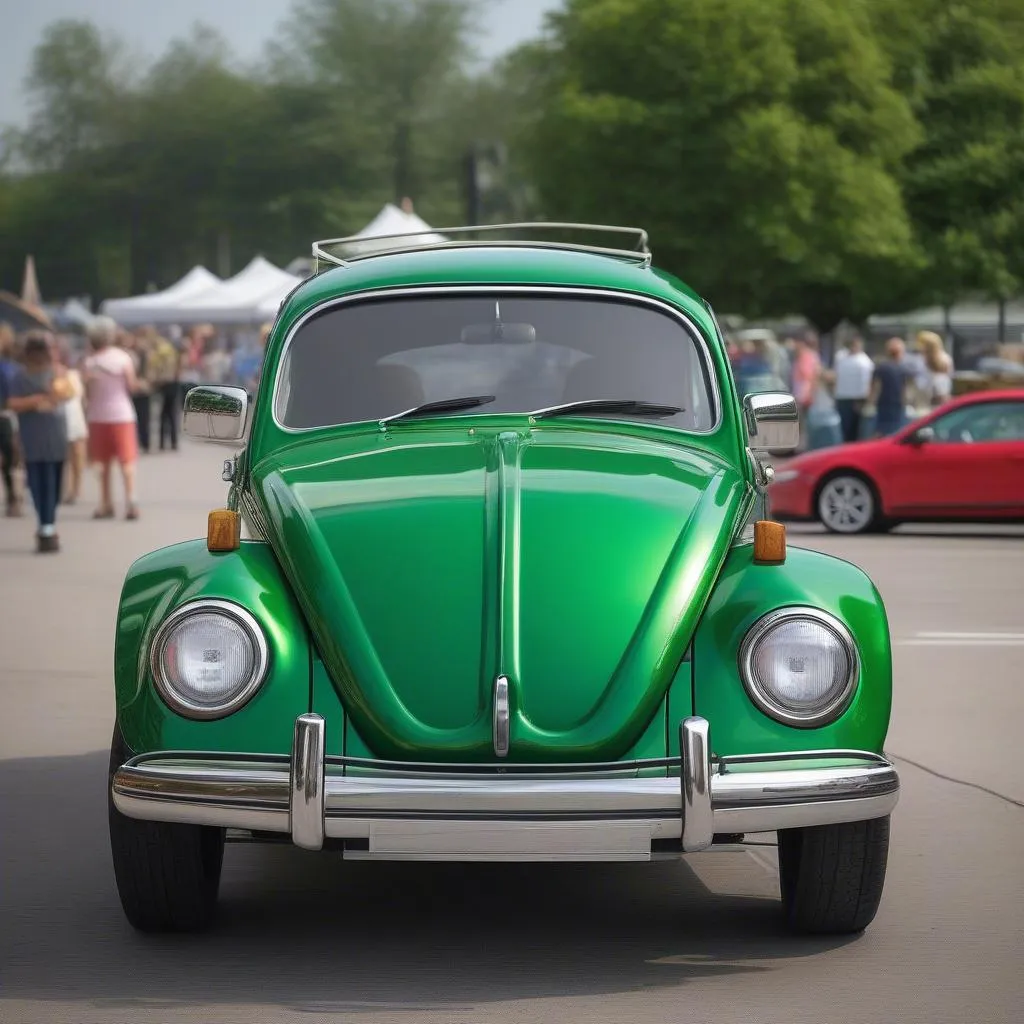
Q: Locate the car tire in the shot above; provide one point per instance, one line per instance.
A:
(167, 875)
(832, 875)
(847, 502)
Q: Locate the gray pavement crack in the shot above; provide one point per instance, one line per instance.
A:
(960, 782)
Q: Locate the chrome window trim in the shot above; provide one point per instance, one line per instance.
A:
(764, 701)
(543, 290)
(187, 708)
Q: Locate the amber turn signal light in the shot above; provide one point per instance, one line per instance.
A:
(769, 543)
(223, 530)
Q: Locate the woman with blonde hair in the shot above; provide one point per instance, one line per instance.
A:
(78, 430)
(938, 368)
(110, 381)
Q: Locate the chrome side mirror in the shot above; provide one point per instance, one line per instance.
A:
(216, 413)
(773, 423)
(922, 436)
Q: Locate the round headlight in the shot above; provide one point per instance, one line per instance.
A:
(208, 658)
(800, 666)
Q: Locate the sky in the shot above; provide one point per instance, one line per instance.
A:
(149, 25)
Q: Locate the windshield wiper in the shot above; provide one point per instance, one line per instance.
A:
(444, 405)
(634, 408)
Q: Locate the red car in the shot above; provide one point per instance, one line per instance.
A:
(962, 462)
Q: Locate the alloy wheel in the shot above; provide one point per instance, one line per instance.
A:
(846, 504)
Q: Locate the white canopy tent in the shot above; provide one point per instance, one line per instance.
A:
(152, 308)
(392, 221)
(251, 296)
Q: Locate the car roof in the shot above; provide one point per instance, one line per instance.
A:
(1000, 395)
(499, 266)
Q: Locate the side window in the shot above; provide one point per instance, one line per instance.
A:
(983, 422)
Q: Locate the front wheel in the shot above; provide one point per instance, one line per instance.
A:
(848, 503)
(167, 874)
(832, 875)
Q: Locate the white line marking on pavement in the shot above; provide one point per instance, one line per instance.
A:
(970, 636)
(953, 639)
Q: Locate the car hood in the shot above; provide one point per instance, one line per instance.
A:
(431, 560)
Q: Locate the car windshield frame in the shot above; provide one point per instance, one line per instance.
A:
(701, 345)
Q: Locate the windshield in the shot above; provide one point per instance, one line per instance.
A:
(373, 359)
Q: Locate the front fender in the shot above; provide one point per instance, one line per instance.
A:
(165, 579)
(744, 593)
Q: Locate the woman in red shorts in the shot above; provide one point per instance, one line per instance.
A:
(109, 376)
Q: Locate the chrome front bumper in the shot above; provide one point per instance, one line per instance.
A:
(444, 812)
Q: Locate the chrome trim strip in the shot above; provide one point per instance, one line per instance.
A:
(698, 816)
(501, 717)
(731, 820)
(312, 800)
(764, 700)
(306, 783)
(204, 792)
(249, 624)
(492, 289)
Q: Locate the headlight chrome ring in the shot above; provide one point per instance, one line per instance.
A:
(760, 693)
(180, 703)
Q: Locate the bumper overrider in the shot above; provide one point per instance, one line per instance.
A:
(397, 811)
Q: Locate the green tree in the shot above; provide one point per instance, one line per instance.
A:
(964, 74)
(758, 139)
(75, 82)
(387, 75)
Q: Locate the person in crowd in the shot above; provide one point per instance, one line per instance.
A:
(216, 362)
(193, 348)
(248, 357)
(137, 347)
(164, 372)
(889, 386)
(77, 428)
(938, 369)
(806, 378)
(778, 359)
(37, 394)
(854, 371)
(8, 421)
(753, 359)
(109, 376)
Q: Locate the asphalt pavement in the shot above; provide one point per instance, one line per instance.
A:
(308, 937)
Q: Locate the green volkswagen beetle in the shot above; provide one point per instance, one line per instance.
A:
(508, 591)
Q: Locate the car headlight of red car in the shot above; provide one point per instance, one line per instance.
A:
(208, 658)
(800, 666)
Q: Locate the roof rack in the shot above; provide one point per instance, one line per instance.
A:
(323, 258)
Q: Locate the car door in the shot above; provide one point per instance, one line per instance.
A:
(967, 463)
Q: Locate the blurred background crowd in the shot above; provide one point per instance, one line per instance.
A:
(842, 181)
(69, 401)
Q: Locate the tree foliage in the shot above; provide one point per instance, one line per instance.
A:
(759, 139)
(826, 157)
(963, 182)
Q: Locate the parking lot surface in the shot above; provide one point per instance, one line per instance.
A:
(304, 937)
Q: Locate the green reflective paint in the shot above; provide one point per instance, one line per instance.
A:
(579, 557)
(744, 593)
(573, 561)
(161, 581)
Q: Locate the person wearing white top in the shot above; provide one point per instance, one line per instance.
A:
(78, 433)
(853, 373)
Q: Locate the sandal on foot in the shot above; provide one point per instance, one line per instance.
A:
(132, 513)
(103, 513)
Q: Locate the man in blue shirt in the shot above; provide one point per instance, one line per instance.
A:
(889, 389)
(8, 372)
